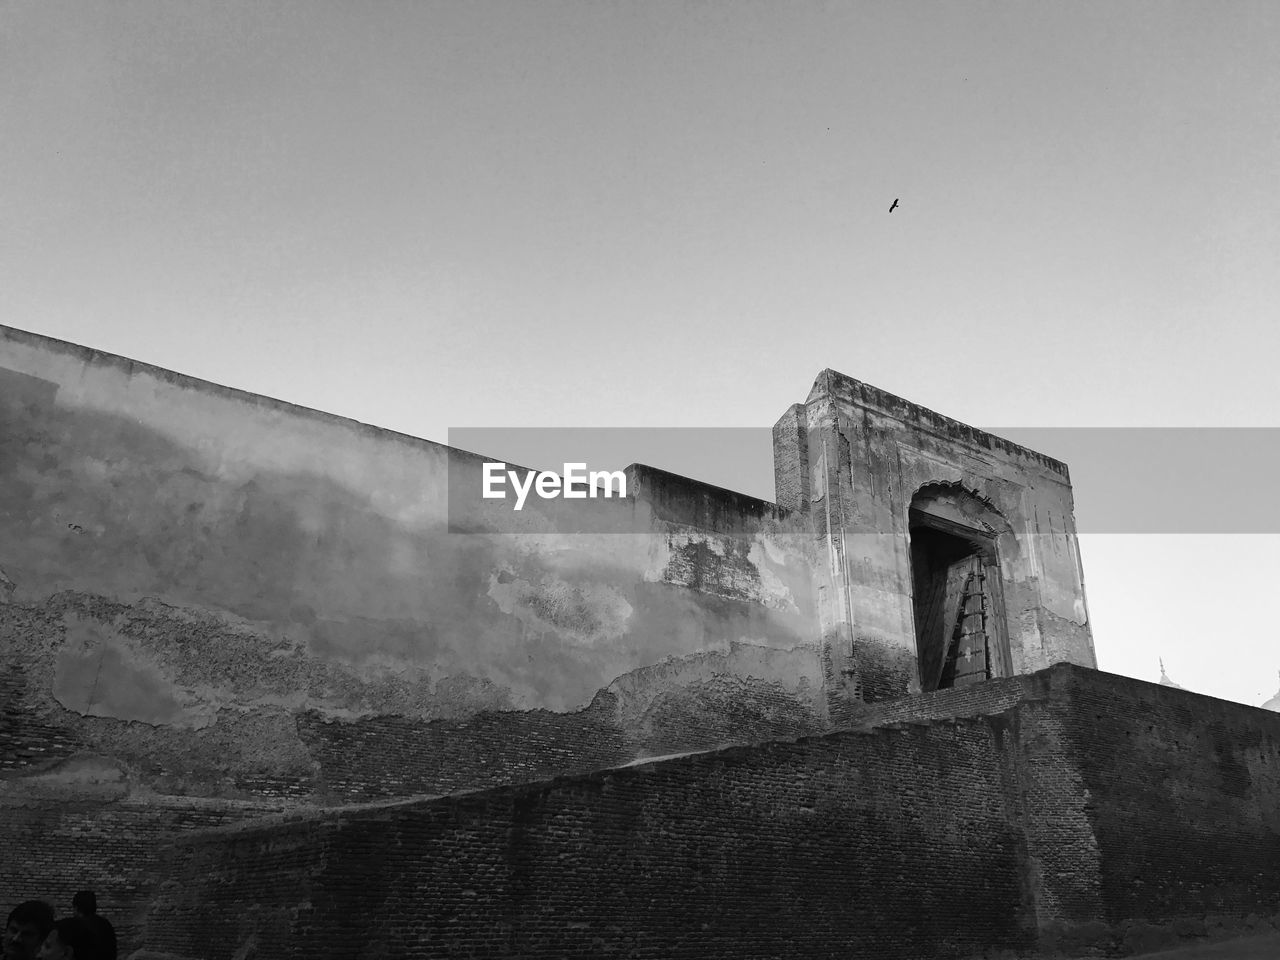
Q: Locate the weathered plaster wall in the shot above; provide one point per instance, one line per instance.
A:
(218, 591)
(217, 599)
(852, 458)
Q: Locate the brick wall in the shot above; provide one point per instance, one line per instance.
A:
(252, 892)
(1155, 816)
(897, 842)
(1182, 797)
(1068, 812)
(384, 757)
(791, 460)
(378, 758)
(113, 847)
(979, 699)
(31, 734)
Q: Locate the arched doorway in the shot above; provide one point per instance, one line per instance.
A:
(957, 594)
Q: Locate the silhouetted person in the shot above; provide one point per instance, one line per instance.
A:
(85, 904)
(72, 938)
(28, 924)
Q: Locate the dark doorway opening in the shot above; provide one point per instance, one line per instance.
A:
(958, 605)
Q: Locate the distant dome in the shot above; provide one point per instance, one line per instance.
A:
(1166, 682)
(1273, 703)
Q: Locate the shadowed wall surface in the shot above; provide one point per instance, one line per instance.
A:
(1011, 818)
(892, 841)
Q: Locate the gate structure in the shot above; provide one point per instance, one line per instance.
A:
(950, 554)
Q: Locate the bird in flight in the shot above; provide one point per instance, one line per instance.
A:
(895, 205)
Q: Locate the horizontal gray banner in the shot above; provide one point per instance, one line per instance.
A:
(1125, 480)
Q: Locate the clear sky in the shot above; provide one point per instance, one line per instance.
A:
(533, 213)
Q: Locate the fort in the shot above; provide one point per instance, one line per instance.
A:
(281, 684)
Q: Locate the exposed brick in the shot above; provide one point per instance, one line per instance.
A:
(1063, 811)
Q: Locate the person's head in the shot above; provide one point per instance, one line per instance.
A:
(70, 939)
(85, 903)
(28, 924)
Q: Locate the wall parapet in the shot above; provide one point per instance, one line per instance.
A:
(833, 385)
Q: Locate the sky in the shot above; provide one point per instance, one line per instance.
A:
(428, 216)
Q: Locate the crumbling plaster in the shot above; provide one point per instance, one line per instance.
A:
(199, 556)
(206, 565)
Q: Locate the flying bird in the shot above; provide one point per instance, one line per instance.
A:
(895, 205)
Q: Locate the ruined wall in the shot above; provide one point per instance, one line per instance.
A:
(888, 843)
(851, 459)
(1091, 815)
(222, 592)
(1178, 792)
(205, 593)
(1156, 817)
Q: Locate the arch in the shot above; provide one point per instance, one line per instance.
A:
(956, 540)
